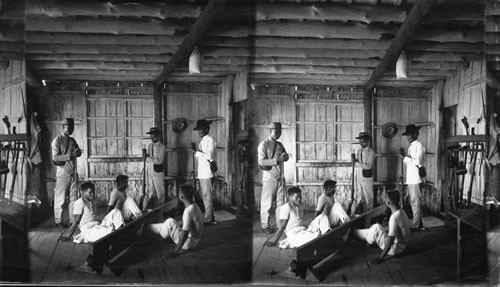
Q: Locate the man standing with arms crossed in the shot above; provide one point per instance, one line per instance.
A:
(363, 162)
(413, 159)
(65, 150)
(205, 153)
(271, 156)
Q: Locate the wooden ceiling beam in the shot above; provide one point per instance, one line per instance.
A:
(469, 35)
(417, 15)
(295, 42)
(93, 39)
(326, 12)
(114, 26)
(209, 14)
(292, 52)
(101, 57)
(319, 82)
(310, 29)
(99, 49)
(160, 10)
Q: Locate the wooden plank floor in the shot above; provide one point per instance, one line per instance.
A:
(430, 259)
(223, 256)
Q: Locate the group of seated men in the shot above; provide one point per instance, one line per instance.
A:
(330, 214)
(122, 208)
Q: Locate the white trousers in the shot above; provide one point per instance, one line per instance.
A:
(156, 185)
(170, 229)
(206, 195)
(364, 193)
(414, 193)
(377, 234)
(271, 196)
(65, 185)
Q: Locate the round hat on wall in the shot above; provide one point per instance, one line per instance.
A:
(179, 125)
(389, 130)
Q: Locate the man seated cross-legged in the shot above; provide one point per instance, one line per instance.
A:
(328, 208)
(188, 235)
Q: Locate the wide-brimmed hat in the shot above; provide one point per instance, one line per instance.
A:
(68, 122)
(410, 129)
(363, 135)
(179, 125)
(389, 130)
(275, 126)
(154, 131)
(201, 124)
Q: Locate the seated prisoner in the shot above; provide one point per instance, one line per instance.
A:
(120, 202)
(291, 216)
(84, 212)
(189, 235)
(328, 208)
(394, 241)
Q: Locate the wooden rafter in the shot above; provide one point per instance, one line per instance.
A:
(200, 26)
(416, 16)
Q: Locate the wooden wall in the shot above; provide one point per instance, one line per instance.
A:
(13, 101)
(467, 91)
(404, 106)
(320, 124)
(195, 101)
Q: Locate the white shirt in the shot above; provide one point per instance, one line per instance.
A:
(62, 145)
(294, 215)
(192, 221)
(156, 155)
(399, 227)
(414, 157)
(206, 153)
(365, 157)
(86, 209)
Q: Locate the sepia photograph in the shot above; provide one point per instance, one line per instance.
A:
(250, 142)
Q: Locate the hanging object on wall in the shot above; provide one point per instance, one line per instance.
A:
(179, 125)
(402, 66)
(195, 61)
(389, 130)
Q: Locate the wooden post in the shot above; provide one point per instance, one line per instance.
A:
(417, 15)
(367, 104)
(199, 28)
(158, 106)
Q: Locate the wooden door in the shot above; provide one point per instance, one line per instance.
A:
(325, 140)
(192, 102)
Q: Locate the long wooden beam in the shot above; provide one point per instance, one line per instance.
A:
(201, 25)
(389, 83)
(321, 30)
(99, 49)
(417, 15)
(116, 26)
(99, 39)
(158, 10)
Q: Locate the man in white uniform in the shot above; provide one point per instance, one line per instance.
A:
(363, 163)
(271, 156)
(413, 159)
(155, 156)
(205, 153)
(65, 150)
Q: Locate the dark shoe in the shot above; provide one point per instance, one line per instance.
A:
(415, 229)
(267, 230)
(61, 225)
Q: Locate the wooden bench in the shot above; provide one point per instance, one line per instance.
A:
(312, 255)
(112, 246)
